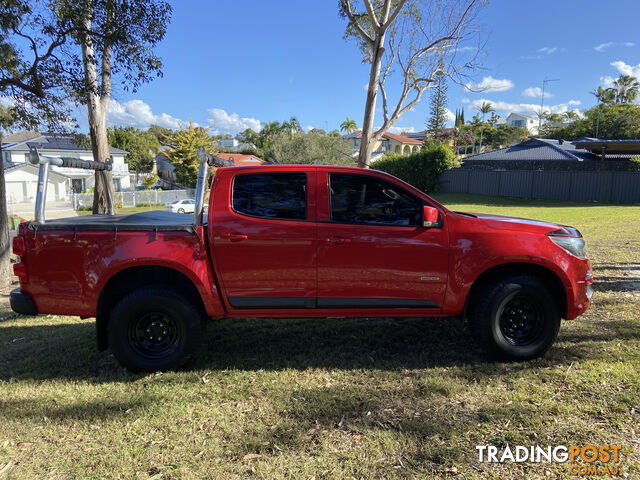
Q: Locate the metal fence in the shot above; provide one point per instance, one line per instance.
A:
(133, 199)
(598, 186)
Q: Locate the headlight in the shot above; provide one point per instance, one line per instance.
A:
(570, 239)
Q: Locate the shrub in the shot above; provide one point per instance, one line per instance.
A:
(422, 169)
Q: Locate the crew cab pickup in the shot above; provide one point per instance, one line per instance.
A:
(302, 241)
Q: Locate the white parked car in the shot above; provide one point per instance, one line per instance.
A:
(181, 206)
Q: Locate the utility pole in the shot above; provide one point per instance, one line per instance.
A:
(544, 84)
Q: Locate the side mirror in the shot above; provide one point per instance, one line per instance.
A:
(430, 217)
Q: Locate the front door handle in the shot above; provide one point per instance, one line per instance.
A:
(234, 237)
(338, 240)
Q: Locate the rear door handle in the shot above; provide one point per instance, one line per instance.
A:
(234, 237)
(338, 240)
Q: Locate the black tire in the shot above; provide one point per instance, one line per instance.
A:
(154, 328)
(516, 318)
(181, 210)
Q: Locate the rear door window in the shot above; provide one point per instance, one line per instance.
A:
(271, 195)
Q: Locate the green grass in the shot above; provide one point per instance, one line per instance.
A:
(334, 398)
(128, 210)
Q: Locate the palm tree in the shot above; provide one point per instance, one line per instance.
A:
(485, 108)
(349, 126)
(570, 115)
(625, 88)
(604, 95)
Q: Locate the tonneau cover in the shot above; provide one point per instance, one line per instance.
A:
(155, 220)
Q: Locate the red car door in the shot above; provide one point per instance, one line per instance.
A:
(265, 238)
(373, 251)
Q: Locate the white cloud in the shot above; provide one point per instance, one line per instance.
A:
(490, 84)
(451, 117)
(573, 103)
(547, 50)
(465, 100)
(535, 92)
(138, 114)
(231, 123)
(531, 57)
(625, 69)
(603, 46)
(399, 130)
(528, 109)
(607, 81)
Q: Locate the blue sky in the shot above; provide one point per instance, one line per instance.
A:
(239, 64)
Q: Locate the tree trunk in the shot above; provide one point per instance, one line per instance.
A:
(5, 247)
(100, 148)
(366, 142)
(97, 107)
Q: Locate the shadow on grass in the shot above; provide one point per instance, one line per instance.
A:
(68, 350)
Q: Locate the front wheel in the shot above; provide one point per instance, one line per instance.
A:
(154, 328)
(516, 318)
(181, 210)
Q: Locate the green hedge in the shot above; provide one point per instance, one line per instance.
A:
(422, 169)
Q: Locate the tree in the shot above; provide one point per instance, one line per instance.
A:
(504, 135)
(116, 37)
(292, 125)
(310, 149)
(412, 38)
(161, 133)
(438, 105)
(604, 95)
(142, 147)
(493, 119)
(183, 151)
(149, 182)
(31, 69)
(617, 121)
(570, 115)
(485, 108)
(625, 88)
(31, 75)
(7, 119)
(349, 126)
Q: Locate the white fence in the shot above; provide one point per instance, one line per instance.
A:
(133, 199)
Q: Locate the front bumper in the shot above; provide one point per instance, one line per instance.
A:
(22, 303)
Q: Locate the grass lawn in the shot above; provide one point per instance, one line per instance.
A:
(128, 210)
(335, 398)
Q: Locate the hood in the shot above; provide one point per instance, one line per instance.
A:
(514, 223)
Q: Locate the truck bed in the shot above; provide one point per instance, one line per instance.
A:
(154, 220)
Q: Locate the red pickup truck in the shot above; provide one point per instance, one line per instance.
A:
(302, 241)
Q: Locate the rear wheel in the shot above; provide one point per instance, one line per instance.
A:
(154, 328)
(514, 319)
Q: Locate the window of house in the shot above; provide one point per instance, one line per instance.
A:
(360, 199)
(271, 195)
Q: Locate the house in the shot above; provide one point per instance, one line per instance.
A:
(22, 182)
(390, 143)
(241, 159)
(534, 151)
(163, 167)
(522, 121)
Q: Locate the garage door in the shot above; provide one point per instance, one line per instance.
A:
(16, 192)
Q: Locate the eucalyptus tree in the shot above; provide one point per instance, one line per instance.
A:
(115, 41)
(414, 39)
